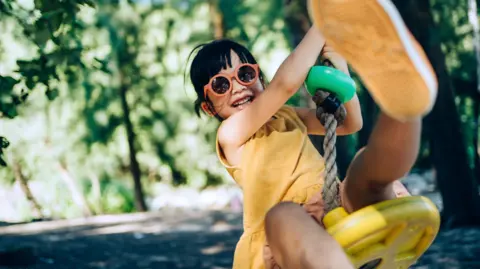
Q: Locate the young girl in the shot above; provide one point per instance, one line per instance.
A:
(263, 143)
(264, 146)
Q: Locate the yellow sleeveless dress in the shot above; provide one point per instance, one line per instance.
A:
(278, 163)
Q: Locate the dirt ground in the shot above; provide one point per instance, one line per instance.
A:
(170, 239)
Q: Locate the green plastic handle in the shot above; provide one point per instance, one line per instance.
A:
(331, 80)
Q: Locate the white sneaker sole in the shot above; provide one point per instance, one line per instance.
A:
(373, 38)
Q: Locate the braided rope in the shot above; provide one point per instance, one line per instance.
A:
(331, 187)
(330, 191)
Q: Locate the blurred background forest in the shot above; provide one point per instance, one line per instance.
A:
(96, 109)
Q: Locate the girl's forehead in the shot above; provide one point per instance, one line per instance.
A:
(235, 58)
(235, 61)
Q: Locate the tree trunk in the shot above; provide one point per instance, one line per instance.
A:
(297, 20)
(217, 20)
(469, 87)
(140, 204)
(23, 182)
(476, 160)
(473, 19)
(461, 201)
(77, 195)
(125, 55)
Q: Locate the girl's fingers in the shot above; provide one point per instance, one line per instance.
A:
(268, 258)
(335, 59)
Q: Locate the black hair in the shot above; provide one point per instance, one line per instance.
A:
(210, 59)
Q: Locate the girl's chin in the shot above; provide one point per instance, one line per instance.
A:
(241, 107)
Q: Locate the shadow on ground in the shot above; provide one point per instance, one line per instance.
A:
(170, 239)
(153, 240)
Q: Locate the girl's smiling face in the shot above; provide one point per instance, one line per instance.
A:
(240, 96)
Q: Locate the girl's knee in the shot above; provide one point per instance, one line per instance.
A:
(281, 212)
(293, 237)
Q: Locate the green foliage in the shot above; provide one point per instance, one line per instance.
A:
(118, 197)
(84, 60)
(39, 30)
(455, 33)
(63, 81)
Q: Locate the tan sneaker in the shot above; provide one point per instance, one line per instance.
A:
(373, 38)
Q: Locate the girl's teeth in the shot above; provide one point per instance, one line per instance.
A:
(246, 100)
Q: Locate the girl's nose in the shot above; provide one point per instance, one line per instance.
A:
(236, 87)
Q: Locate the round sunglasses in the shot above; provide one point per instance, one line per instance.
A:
(246, 74)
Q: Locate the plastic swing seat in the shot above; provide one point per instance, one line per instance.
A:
(387, 235)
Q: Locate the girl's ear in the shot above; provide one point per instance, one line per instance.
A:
(207, 108)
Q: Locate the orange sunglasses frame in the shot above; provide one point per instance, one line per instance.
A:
(229, 76)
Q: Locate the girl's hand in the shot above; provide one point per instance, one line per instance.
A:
(330, 57)
(315, 207)
(353, 122)
(268, 258)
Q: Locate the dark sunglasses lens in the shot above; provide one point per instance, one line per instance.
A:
(220, 85)
(247, 74)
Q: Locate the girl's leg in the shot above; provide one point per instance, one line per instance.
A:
(296, 240)
(389, 155)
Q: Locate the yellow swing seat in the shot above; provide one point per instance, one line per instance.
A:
(387, 235)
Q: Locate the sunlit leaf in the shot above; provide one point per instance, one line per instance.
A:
(7, 83)
(4, 142)
(9, 110)
(30, 83)
(2, 161)
(89, 3)
(3, 145)
(52, 93)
